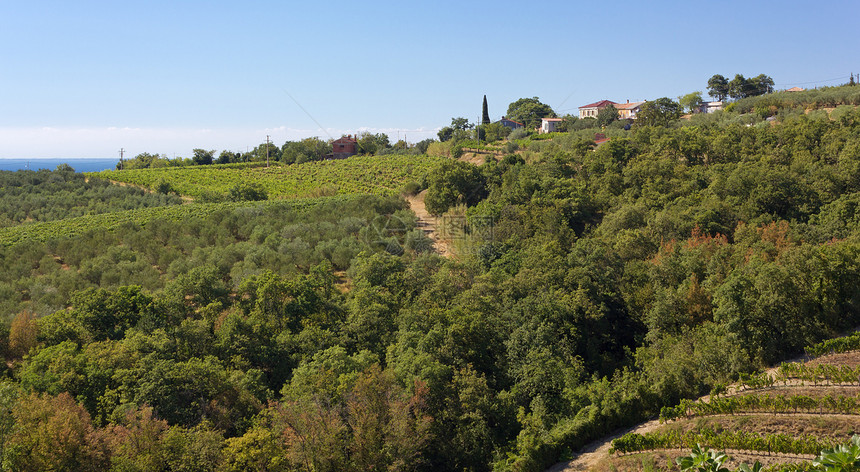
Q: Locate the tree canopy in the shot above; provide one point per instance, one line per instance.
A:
(658, 112)
(529, 112)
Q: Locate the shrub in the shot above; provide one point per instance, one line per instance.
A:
(247, 192)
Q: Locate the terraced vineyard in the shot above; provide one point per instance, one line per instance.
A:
(378, 175)
(783, 418)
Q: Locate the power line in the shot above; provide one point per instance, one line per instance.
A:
(815, 81)
(306, 113)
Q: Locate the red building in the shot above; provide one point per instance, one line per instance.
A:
(344, 147)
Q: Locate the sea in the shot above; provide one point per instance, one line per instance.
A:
(85, 164)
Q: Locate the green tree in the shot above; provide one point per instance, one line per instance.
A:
(658, 112)
(691, 101)
(203, 157)
(252, 191)
(607, 116)
(495, 132)
(461, 124)
(308, 149)
(529, 111)
(108, 314)
(739, 87)
(228, 157)
(371, 144)
(485, 114)
(718, 87)
(453, 183)
(760, 85)
(445, 134)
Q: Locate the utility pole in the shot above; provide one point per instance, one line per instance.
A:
(121, 153)
(267, 151)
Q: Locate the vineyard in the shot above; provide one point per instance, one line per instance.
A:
(783, 418)
(377, 175)
(41, 232)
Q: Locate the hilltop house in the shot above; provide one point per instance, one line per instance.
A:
(628, 111)
(344, 147)
(592, 109)
(510, 123)
(549, 125)
(710, 107)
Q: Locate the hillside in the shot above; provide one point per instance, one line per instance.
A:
(379, 175)
(592, 289)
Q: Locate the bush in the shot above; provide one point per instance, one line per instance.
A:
(411, 188)
(453, 183)
(518, 133)
(247, 192)
(164, 187)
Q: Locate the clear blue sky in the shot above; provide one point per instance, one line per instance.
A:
(84, 78)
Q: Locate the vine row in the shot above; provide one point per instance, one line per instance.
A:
(737, 440)
(835, 346)
(762, 404)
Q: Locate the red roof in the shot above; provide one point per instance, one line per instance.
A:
(512, 121)
(345, 139)
(600, 104)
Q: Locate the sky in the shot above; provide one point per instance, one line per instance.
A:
(88, 78)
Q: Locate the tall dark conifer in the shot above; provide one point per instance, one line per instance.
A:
(485, 118)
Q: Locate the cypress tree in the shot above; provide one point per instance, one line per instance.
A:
(485, 118)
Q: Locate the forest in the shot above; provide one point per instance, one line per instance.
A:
(591, 288)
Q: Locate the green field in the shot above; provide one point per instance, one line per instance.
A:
(378, 175)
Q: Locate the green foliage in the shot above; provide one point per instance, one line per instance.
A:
(607, 116)
(306, 150)
(453, 183)
(842, 458)
(529, 111)
(836, 345)
(718, 87)
(203, 157)
(38, 196)
(703, 460)
(247, 192)
(778, 442)
(691, 101)
(659, 112)
(594, 287)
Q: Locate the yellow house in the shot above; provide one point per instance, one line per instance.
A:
(628, 110)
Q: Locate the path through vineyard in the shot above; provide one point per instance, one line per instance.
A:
(429, 224)
(597, 450)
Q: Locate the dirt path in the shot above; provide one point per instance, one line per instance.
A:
(429, 224)
(594, 452)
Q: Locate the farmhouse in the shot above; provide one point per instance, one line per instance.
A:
(628, 111)
(344, 147)
(549, 125)
(510, 123)
(592, 109)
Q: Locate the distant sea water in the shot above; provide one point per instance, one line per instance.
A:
(86, 164)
